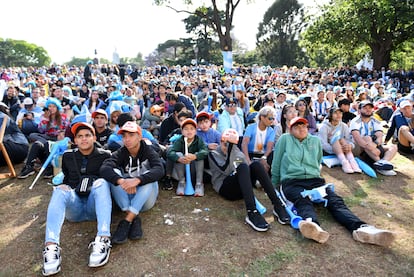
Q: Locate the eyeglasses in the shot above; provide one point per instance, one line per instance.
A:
(232, 105)
(301, 104)
(271, 118)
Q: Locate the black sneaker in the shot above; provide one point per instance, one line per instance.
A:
(48, 173)
(26, 172)
(168, 185)
(280, 213)
(135, 232)
(121, 233)
(256, 221)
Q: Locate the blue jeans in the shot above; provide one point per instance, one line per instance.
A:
(65, 203)
(143, 200)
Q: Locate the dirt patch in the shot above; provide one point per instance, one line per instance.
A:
(208, 236)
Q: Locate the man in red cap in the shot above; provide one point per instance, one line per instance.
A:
(296, 168)
(77, 199)
(133, 171)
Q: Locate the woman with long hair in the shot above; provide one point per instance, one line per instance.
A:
(288, 113)
(303, 111)
(244, 103)
(93, 102)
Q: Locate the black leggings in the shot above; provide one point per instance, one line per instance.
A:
(240, 185)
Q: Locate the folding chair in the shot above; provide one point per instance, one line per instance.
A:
(3, 150)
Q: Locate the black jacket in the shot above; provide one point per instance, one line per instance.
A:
(71, 171)
(147, 166)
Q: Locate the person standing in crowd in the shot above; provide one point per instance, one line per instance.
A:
(367, 135)
(67, 202)
(296, 167)
(133, 172)
(233, 178)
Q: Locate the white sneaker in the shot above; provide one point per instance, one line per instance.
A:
(370, 234)
(383, 165)
(199, 190)
(180, 188)
(51, 260)
(387, 172)
(311, 230)
(101, 248)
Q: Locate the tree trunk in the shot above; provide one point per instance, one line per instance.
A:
(381, 54)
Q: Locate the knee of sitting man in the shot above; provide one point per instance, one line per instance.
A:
(99, 183)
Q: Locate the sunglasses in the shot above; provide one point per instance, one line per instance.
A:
(301, 104)
(271, 118)
(232, 105)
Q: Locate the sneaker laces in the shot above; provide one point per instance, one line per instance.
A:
(51, 253)
(97, 246)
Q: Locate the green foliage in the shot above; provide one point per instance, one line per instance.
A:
(22, 53)
(277, 39)
(80, 62)
(347, 25)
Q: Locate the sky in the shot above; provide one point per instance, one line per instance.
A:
(75, 28)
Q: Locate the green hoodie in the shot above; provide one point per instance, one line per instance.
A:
(294, 159)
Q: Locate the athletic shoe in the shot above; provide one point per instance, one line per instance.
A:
(280, 212)
(355, 166)
(370, 234)
(313, 231)
(101, 248)
(383, 165)
(168, 185)
(121, 233)
(180, 188)
(26, 172)
(256, 221)
(346, 167)
(199, 190)
(51, 260)
(48, 173)
(387, 172)
(135, 232)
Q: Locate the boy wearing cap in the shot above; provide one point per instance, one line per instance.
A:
(86, 159)
(133, 171)
(210, 136)
(197, 152)
(100, 123)
(296, 168)
(345, 106)
(367, 135)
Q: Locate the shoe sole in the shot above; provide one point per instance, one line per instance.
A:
(384, 238)
(51, 273)
(103, 262)
(25, 176)
(247, 220)
(311, 231)
(278, 218)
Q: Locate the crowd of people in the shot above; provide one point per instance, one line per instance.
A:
(257, 126)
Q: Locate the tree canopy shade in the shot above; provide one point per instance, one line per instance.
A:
(382, 25)
(277, 39)
(22, 53)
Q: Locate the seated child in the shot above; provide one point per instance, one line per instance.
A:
(151, 120)
(197, 152)
(210, 136)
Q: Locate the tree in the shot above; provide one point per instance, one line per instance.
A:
(221, 26)
(22, 53)
(382, 25)
(203, 31)
(277, 39)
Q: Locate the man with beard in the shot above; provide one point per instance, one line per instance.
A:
(367, 134)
